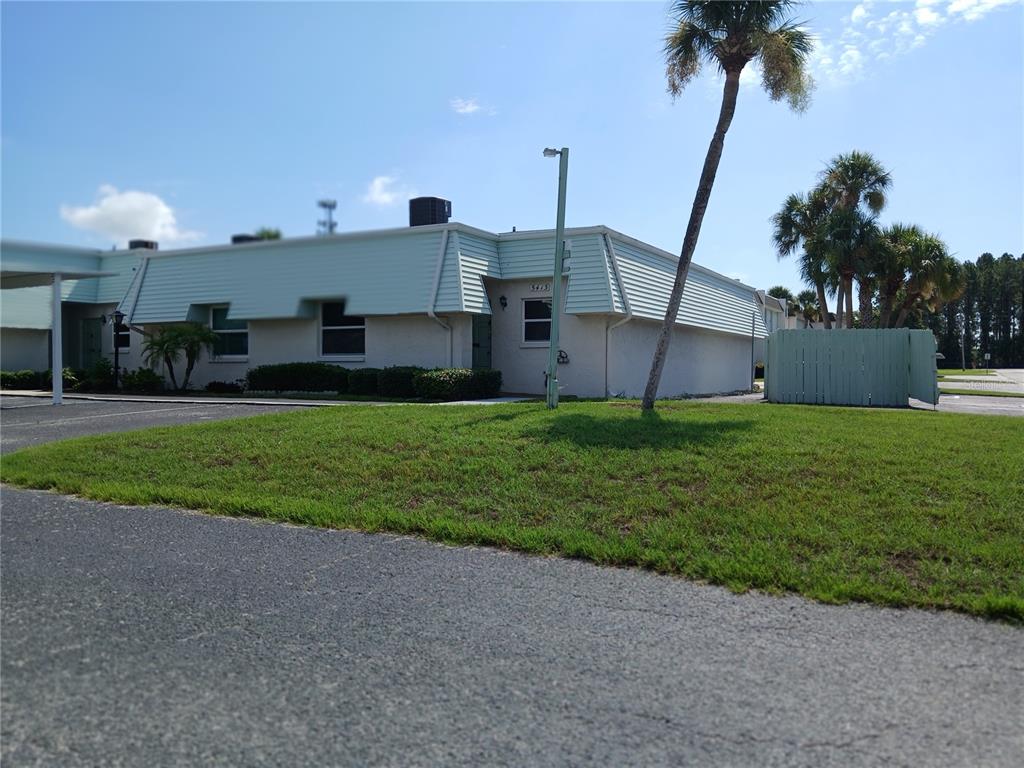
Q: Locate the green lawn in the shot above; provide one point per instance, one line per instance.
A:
(943, 372)
(977, 392)
(892, 507)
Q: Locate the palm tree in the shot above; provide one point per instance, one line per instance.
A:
(168, 343)
(728, 36)
(807, 300)
(267, 233)
(855, 181)
(848, 237)
(796, 225)
(933, 277)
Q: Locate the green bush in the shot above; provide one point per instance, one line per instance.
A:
(20, 379)
(458, 383)
(142, 381)
(97, 378)
(396, 381)
(297, 377)
(71, 377)
(363, 381)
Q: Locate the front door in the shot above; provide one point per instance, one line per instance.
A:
(481, 341)
(92, 341)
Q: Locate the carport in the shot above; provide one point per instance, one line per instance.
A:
(30, 276)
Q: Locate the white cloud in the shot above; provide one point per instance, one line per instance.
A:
(972, 10)
(843, 58)
(122, 216)
(384, 191)
(471, 107)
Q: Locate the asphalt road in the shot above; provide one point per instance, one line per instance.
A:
(26, 421)
(147, 636)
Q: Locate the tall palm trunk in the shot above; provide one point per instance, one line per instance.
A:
(864, 291)
(169, 362)
(700, 204)
(823, 305)
(840, 302)
(849, 301)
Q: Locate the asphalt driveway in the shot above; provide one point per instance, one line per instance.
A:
(26, 421)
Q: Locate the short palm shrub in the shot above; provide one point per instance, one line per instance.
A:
(142, 381)
(363, 381)
(297, 377)
(397, 381)
(99, 377)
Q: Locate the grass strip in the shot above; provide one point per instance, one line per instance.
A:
(835, 504)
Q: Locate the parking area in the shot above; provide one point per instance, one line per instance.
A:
(26, 421)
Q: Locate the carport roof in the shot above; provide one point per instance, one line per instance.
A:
(32, 277)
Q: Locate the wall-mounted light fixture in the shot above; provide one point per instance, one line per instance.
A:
(503, 301)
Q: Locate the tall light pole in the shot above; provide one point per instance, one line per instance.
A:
(556, 281)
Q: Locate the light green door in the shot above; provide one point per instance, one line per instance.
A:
(481, 341)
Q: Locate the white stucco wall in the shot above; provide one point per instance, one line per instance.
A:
(581, 337)
(397, 340)
(699, 362)
(24, 348)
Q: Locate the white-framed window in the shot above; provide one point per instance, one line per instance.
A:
(536, 321)
(341, 336)
(232, 335)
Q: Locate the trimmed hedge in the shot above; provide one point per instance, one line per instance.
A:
(38, 379)
(298, 377)
(458, 383)
(363, 381)
(224, 387)
(20, 379)
(397, 381)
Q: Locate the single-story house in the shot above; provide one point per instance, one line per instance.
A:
(441, 294)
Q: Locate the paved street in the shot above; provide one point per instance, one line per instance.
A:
(159, 637)
(148, 636)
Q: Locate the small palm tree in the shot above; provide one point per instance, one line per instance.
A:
(933, 277)
(168, 343)
(808, 306)
(267, 233)
(795, 226)
(727, 36)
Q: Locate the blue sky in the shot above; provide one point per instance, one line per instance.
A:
(192, 121)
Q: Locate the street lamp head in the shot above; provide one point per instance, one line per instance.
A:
(118, 317)
(549, 152)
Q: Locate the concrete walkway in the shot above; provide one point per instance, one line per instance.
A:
(1001, 380)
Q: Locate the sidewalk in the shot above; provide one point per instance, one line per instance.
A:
(202, 400)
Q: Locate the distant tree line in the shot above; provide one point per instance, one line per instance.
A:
(989, 314)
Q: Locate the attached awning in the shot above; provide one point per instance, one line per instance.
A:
(30, 278)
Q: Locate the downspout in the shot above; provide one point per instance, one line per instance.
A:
(625, 303)
(433, 295)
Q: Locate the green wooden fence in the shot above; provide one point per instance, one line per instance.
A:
(851, 367)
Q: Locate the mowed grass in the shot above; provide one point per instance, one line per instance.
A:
(943, 372)
(903, 508)
(978, 392)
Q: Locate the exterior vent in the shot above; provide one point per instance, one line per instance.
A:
(149, 245)
(424, 211)
(244, 238)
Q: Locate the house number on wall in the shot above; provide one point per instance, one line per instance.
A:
(540, 287)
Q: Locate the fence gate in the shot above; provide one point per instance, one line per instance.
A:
(882, 367)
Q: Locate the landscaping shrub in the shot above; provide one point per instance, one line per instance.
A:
(225, 387)
(71, 377)
(458, 383)
(142, 381)
(20, 379)
(297, 377)
(396, 381)
(363, 381)
(99, 377)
